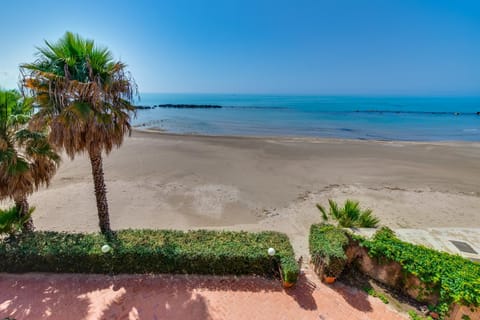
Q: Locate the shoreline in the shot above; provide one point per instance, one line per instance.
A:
(307, 139)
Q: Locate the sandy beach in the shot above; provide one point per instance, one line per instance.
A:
(163, 181)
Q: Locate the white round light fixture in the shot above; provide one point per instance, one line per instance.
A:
(271, 251)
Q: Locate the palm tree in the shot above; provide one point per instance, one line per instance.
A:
(350, 215)
(84, 96)
(27, 160)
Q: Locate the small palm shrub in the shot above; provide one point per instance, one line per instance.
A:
(11, 220)
(350, 215)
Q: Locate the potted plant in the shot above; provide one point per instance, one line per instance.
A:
(289, 278)
(327, 249)
(333, 267)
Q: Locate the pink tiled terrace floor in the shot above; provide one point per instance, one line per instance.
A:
(63, 296)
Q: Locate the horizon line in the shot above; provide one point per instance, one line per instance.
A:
(431, 95)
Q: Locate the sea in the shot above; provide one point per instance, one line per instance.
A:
(344, 117)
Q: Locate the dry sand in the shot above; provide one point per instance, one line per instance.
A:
(165, 181)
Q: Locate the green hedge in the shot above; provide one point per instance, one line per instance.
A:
(456, 279)
(327, 245)
(152, 251)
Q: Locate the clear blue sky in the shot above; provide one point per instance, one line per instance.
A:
(410, 47)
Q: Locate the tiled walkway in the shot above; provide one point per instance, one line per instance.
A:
(62, 296)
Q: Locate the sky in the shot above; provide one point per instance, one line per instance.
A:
(336, 47)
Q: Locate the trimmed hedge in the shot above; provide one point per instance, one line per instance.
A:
(327, 246)
(152, 251)
(456, 278)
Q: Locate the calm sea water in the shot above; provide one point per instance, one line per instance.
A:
(379, 118)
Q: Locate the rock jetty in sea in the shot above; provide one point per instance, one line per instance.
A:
(180, 106)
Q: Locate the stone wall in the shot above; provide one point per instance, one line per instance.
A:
(459, 312)
(390, 273)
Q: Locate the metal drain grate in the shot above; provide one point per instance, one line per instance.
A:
(463, 246)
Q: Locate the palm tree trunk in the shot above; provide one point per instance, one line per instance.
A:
(22, 206)
(100, 191)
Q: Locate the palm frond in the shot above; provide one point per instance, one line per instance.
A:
(334, 212)
(324, 213)
(350, 215)
(368, 220)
